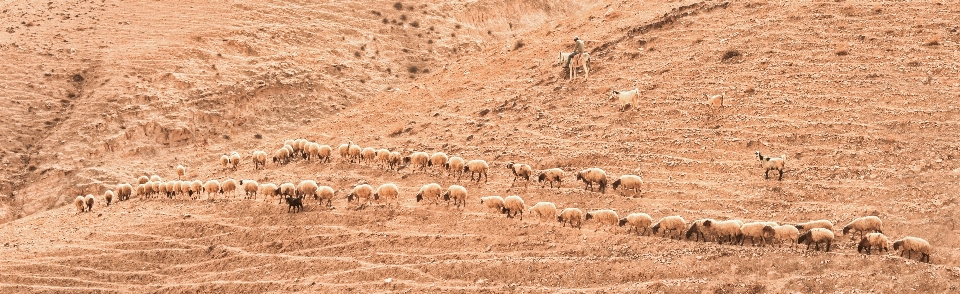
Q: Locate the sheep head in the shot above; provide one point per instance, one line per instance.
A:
(420, 196)
(622, 222)
(897, 245)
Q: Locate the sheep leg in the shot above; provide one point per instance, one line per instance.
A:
(781, 176)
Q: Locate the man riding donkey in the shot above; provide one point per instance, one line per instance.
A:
(578, 48)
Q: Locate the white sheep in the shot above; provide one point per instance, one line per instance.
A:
(287, 190)
(124, 191)
(698, 231)
(388, 192)
(629, 182)
(823, 224)
(520, 171)
(772, 163)
(817, 236)
(224, 161)
(259, 159)
(756, 231)
(325, 193)
(299, 146)
(229, 187)
(344, 150)
(235, 159)
(593, 175)
(438, 159)
(80, 204)
(269, 190)
(786, 233)
(457, 193)
(354, 152)
(89, 200)
(551, 175)
(155, 178)
(477, 167)
(181, 171)
(196, 187)
(324, 153)
(626, 98)
(211, 187)
(420, 159)
(570, 215)
(455, 165)
(513, 205)
(914, 244)
(671, 223)
(637, 220)
(543, 210)
(383, 157)
(604, 217)
(142, 180)
(250, 188)
(108, 196)
(873, 240)
(307, 188)
(493, 202)
(281, 156)
(867, 224)
(431, 192)
(311, 150)
(368, 154)
(363, 191)
(395, 159)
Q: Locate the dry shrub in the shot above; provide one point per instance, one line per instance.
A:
(398, 6)
(730, 54)
(518, 45)
(842, 50)
(933, 41)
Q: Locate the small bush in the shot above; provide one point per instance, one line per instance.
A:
(413, 69)
(933, 41)
(356, 53)
(519, 44)
(258, 136)
(377, 13)
(398, 6)
(730, 54)
(396, 131)
(386, 21)
(425, 70)
(457, 26)
(429, 41)
(415, 24)
(842, 50)
(403, 17)
(226, 137)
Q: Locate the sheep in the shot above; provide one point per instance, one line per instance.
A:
(551, 175)
(210, 187)
(79, 203)
(195, 188)
(543, 210)
(816, 236)
(604, 216)
(394, 160)
(430, 191)
(457, 193)
(89, 200)
(438, 159)
(670, 223)
(388, 191)
(823, 224)
(570, 215)
(914, 244)
(311, 150)
(520, 171)
(269, 190)
(873, 240)
(417, 158)
(772, 163)
(290, 142)
(124, 191)
(786, 233)
(593, 175)
(626, 98)
(295, 204)
(142, 180)
(344, 150)
(755, 231)
(629, 182)
(228, 187)
(324, 153)
(307, 188)
(300, 147)
(354, 152)
(368, 154)
(637, 220)
(383, 157)
(287, 190)
(290, 151)
(493, 202)
(715, 101)
(281, 156)
(454, 166)
(325, 193)
(181, 171)
(580, 60)
(360, 191)
(867, 224)
(224, 161)
(477, 167)
(155, 178)
(250, 188)
(235, 159)
(698, 230)
(108, 196)
(259, 159)
(513, 205)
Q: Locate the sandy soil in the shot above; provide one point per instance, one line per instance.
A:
(860, 96)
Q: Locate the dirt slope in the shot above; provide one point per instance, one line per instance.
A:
(859, 96)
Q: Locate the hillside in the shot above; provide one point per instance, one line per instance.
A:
(860, 97)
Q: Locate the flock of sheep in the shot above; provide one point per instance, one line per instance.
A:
(815, 233)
